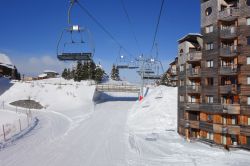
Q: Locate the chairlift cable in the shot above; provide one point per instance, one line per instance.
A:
(157, 26)
(131, 25)
(85, 10)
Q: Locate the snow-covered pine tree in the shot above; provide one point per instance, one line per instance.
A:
(65, 74)
(78, 73)
(113, 73)
(117, 74)
(99, 73)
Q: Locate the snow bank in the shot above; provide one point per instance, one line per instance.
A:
(54, 94)
(156, 113)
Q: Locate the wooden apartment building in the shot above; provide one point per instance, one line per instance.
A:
(214, 76)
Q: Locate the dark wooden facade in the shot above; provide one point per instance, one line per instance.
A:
(219, 111)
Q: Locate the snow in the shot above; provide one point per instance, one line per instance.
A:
(73, 130)
(5, 61)
(50, 71)
(42, 75)
(153, 139)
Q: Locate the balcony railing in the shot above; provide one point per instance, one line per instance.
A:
(212, 108)
(229, 70)
(174, 78)
(173, 72)
(226, 129)
(225, 89)
(231, 109)
(193, 88)
(231, 51)
(229, 13)
(206, 126)
(192, 124)
(229, 32)
(218, 128)
(194, 56)
(193, 106)
(194, 72)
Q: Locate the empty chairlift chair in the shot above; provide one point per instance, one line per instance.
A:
(73, 47)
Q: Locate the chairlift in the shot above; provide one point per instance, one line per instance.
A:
(122, 61)
(71, 46)
(75, 42)
(133, 65)
(151, 71)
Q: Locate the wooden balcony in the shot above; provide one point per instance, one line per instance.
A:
(194, 124)
(233, 129)
(194, 56)
(226, 129)
(173, 78)
(228, 70)
(229, 33)
(229, 52)
(226, 89)
(229, 14)
(193, 106)
(218, 128)
(245, 130)
(206, 126)
(173, 72)
(212, 108)
(194, 73)
(233, 109)
(193, 89)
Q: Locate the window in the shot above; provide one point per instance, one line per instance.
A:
(234, 120)
(209, 29)
(182, 68)
(181, 98)
(209, 81)
(248, 80)
(210, 63)
(248, 40)
(209, 46)
(248, 21)
(208, 11)
(248, 60)
(210, 136)
(248, 100)
(248, 2)
(210, 99)
(210, 118)
(248, 121)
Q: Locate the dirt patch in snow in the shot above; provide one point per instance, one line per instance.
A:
(31, 104)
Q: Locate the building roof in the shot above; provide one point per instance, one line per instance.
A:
(50, 71)
(174, 62)
(42, 75)
(5, 61)
(192, 37)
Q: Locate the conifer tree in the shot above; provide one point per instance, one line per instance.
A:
(99, 73)
(65, 74)
(78, 73)
(113, 72)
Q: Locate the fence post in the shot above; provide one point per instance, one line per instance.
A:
(4, 136)
(20, 126)
(28, 119)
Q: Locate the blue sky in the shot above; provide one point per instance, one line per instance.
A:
(30, 29)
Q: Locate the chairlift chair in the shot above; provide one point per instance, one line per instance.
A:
(71, 38)
(133, 65)
(122, 62)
